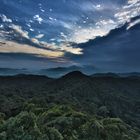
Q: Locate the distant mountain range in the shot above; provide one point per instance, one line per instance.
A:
(61, 71)
(116, 75)
(51, 72)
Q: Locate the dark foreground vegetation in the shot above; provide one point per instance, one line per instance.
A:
(74, 107)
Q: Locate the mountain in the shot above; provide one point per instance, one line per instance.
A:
(117, 75)
(75, 106)
(106, 75)
(74, 75)
(60, 71)
(131, 74)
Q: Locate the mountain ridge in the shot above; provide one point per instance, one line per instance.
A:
(58, 72)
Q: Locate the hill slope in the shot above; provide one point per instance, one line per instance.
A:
(73, 107)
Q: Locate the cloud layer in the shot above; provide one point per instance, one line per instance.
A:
(54, 31)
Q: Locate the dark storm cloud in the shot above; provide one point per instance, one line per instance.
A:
(118, 51)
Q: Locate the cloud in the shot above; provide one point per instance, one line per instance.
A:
(38, 18)
(3, 34)
(63, 25)
(34, 46)
(132, 1)
(18, 29)
(116, 52)
(39, 36)
(5, 19)
(83, 35)
(64, 47)
(106, 22)
(13, 47)
(128, 11)
(94, 6)
(70, 49)
(52, 19)
(133, 24)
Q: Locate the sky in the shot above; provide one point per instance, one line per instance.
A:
(37, 34)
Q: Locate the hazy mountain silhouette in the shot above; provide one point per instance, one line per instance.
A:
(60, 71)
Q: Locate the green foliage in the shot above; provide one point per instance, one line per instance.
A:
(2, 117)
(62, 122)
(67, 110)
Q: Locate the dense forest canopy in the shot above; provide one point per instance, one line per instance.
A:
(73, 107)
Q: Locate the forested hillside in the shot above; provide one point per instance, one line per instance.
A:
(73, 107)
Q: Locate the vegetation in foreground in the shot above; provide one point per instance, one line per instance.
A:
(40, 108)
